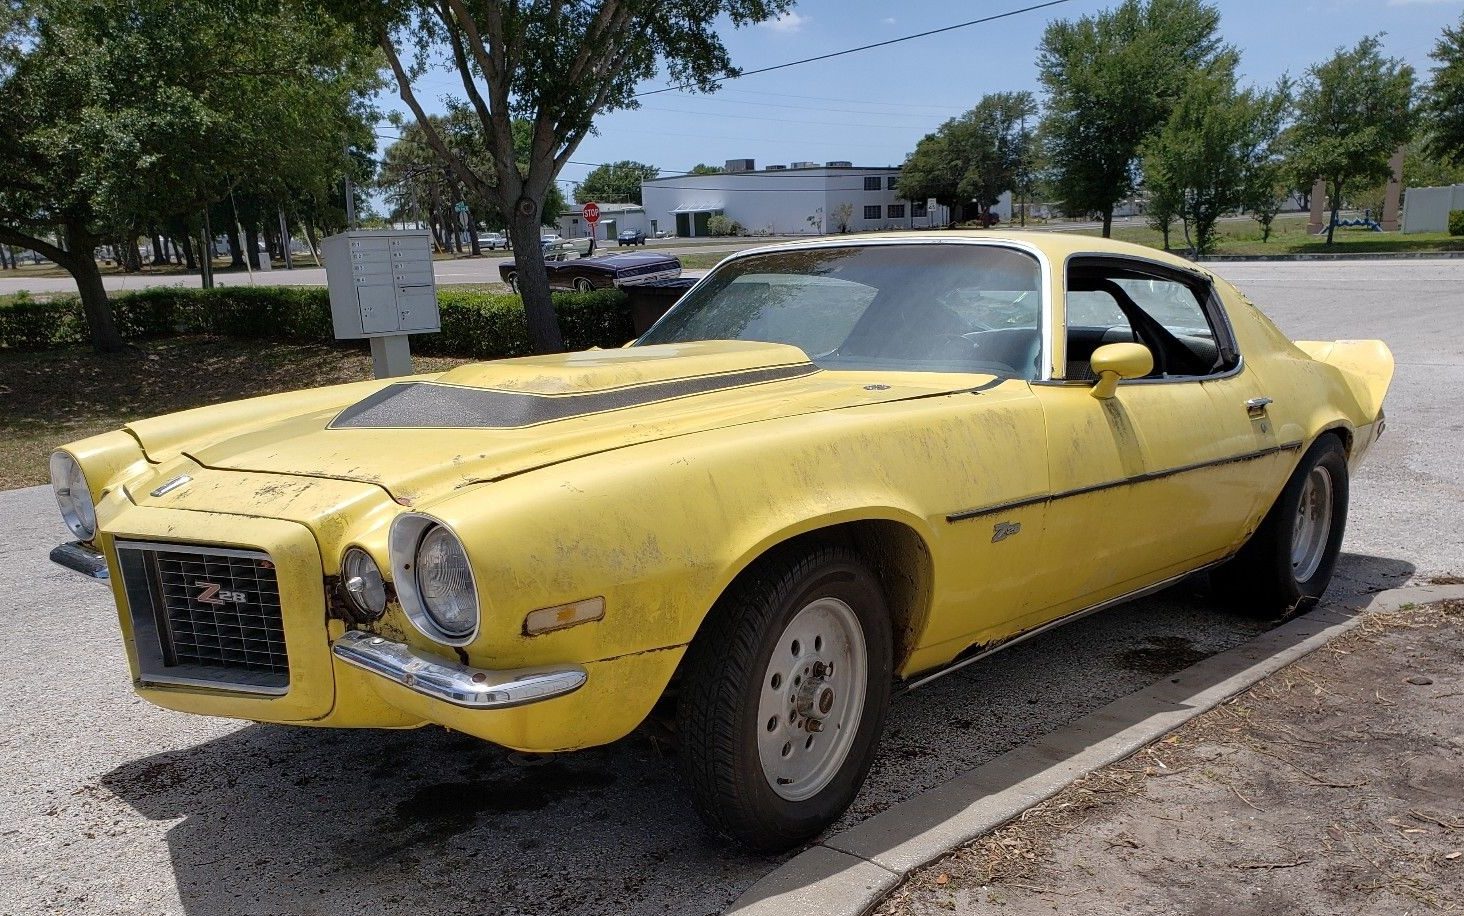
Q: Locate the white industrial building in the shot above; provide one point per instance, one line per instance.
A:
(801, 198)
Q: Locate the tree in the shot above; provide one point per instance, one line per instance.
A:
(1111, 81)
(616, 182)
(555, 65)
(1216, 149)
(126, 113)
(1353, 111)
(974, 158)
(1443, 103)
(701, 168)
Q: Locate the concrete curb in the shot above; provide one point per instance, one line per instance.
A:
(1357, 256)
(849, 873)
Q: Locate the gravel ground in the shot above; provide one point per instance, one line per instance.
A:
(1335, 786)
(113, 806)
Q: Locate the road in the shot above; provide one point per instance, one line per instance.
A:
(114, 806)
(447, 271)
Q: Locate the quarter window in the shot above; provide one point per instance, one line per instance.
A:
(871, 183)
(871, 211)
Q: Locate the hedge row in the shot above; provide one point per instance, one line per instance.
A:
(473, 324)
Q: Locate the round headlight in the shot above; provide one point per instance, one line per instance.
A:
(73, 496)
(445, 582)
(363, 582)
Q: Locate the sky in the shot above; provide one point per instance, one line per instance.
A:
(872, 107)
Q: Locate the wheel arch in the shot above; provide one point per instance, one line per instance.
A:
(895, 549)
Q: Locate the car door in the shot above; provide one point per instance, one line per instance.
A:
(1164, 476)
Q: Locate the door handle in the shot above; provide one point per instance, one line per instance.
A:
(1257, 406)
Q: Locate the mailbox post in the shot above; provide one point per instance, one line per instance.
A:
(382, 288)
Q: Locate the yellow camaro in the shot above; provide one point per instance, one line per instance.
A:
(834, 465)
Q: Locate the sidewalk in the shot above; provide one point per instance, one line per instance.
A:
(1334, 786)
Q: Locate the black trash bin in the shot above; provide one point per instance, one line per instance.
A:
(649, 301)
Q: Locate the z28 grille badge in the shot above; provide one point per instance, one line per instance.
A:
(427, 405)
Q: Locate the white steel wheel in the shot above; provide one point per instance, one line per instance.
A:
(1313, 526)
(583, 285)
(783, 696)
(512, 281)
(812, 699)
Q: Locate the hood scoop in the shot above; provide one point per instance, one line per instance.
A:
(418, 405)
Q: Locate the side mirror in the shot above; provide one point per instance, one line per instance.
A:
(1115, 361)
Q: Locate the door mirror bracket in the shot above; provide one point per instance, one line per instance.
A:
(1116, 361)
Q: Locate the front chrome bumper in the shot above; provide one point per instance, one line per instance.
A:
(82, 558)
(444, 679)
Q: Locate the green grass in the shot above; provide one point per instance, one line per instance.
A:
(1289, 236)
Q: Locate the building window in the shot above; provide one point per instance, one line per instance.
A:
(871, 211)
(917, 209)
(890, 181)
(896, 211)
(871, 182)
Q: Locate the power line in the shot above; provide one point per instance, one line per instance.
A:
(743, 117)
(877, 44)
(816, 98)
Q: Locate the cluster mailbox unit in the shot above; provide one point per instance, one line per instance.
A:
(382, 288)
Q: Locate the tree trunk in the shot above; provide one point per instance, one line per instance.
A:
(251, 245)
(310, 238)
(188, 260)
(1108, 221)
(533, 283)
(160, 254)
(1336, 206)
(102, 324)
(236, 251)
(1165, 232)
(134, 254)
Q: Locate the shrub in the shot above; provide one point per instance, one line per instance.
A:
(1456, 222)
(717, 224)
(476, 325)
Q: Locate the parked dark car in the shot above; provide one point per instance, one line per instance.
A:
(603, 272)
(630, 237)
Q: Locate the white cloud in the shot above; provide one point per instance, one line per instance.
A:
(889, 20)
(787, 23)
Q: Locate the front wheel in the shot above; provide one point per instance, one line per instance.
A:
(512, 281)
(784, 697)
(1287, 564)
(582, 285)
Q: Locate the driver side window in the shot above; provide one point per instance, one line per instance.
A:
(1113, 302)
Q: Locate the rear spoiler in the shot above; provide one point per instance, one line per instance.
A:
(1367, 366)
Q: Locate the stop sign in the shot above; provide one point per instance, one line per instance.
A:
(592, 213)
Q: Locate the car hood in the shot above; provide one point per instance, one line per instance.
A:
(427, 435)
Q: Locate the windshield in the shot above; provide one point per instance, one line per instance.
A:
(921, 307)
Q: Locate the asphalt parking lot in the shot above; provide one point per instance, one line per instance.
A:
(113, 806)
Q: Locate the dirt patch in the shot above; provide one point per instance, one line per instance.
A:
(48, 399)
(1335, 786)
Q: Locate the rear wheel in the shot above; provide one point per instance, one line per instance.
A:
(512, 281)
(1288, 562)
(784, 697)
(583, 285)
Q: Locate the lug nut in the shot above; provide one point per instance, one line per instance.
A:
(814, 725)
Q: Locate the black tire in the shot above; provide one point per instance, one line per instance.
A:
(583, 285)
(512, 281)
(1262, 578)
(718, 702)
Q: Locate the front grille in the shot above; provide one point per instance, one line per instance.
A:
(206, 615)
(645, 269)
